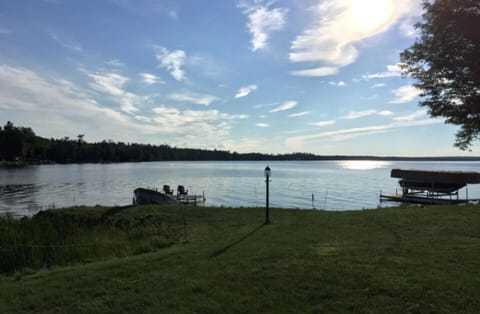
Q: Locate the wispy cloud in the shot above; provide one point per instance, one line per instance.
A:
(244, 91)
(173, 117)
(323, 123)
(338, 84)
(262, 125)
(115, 63)
(320, 71)
(206, 65)
(262, 21)
(378, 85)
(193, 98)
(65, 40)
(65, 107)
(413, 116)
(285, 106)
(299, 114)
(385, 113)
(113, 85)
(330, 40)
(392, 71)
(110, 83)
(172, 61)
(247, 145)
(201, 126)
(405, 94)
(62, 105)
(407, 28)
(343, 134)
(353, 115)
(149, 78)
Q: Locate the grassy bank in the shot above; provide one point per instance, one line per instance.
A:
(78, 235)
(387, 260)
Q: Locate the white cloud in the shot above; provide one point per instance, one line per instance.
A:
(244, 91)
(262, 21)
(407, 28)
(198, 126)
(299, 114)
(246, 145)
(323, 123)
(330, 41)
(193, 98)
(61, 105)
(110, 83)
(343, 134)
(392, 71)
(385, 113)
(414, 116)
(173, 117)
(353, 115)
(172, 61)
(116, 63)
(56, 107)
(285, 106)
(262, 125)
(113, 84)
(320, 71)
(338, 84)
(405, 94)
(378, 85)
(149, 78)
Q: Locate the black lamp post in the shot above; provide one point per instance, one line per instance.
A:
(267, 173)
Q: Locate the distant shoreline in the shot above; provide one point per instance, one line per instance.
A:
(18, 164)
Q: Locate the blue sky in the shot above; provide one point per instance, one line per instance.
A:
(317, 76)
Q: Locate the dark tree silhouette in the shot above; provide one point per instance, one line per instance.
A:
(445, 60)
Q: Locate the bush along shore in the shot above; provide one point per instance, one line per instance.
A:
(174, 259)
(77, 235)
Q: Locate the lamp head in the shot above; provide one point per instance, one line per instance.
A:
(267, 172)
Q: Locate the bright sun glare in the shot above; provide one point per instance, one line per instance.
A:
(367, 15)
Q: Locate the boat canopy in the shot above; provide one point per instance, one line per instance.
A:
(435, 181)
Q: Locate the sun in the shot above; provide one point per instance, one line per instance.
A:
(369, 15)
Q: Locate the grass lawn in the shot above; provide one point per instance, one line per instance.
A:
(394, 260)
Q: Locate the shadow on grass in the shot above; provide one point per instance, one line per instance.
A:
(224, 249)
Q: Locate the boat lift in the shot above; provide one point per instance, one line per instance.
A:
(431, 187)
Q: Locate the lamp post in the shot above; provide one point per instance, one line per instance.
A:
(267, 173)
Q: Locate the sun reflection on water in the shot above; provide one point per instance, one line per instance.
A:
(363, 164)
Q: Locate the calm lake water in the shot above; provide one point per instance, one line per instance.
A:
(335, 185)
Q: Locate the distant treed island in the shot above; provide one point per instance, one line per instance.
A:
(21, 145)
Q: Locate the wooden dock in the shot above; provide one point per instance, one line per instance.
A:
(412, 199)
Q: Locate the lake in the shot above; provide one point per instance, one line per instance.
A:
(335, 185)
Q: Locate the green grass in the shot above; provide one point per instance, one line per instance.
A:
(76, 235)
(395, 260)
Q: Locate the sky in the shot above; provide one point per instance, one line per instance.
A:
(316, 76)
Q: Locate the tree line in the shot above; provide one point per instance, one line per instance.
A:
(21, 144)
